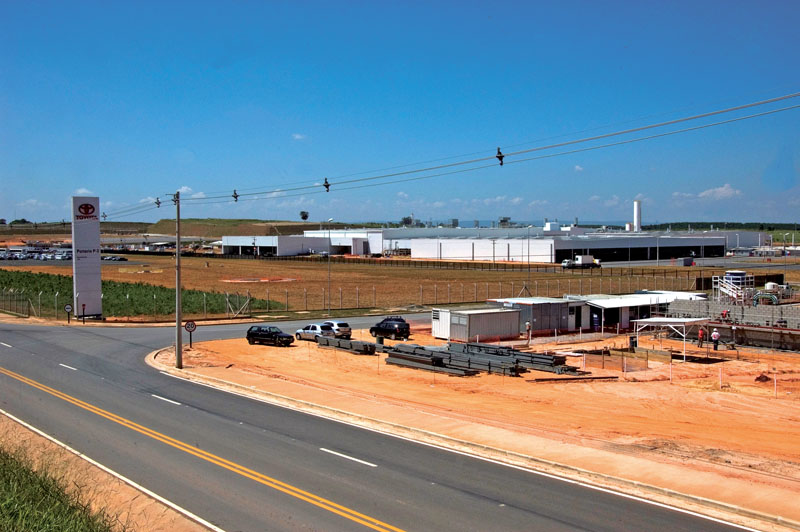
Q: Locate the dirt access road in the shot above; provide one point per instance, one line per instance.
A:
(689, 441)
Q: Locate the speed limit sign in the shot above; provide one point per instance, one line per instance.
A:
(190, 326)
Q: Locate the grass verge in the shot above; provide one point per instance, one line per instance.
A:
(38, 500)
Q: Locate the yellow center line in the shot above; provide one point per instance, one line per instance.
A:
(276, 484)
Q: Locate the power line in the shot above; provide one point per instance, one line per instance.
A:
(530, 150)
(308, 189)
(545, 156)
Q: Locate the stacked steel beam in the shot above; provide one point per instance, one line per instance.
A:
(469, 359)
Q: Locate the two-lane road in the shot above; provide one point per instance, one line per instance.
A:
(246, 465)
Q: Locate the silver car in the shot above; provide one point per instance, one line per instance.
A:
(340, 329)
(310, 332)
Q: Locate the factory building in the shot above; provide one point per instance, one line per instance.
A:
(497, 244)
(551, 243)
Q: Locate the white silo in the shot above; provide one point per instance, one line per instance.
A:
(637, 216)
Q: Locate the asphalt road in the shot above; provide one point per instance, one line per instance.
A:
(242, 464)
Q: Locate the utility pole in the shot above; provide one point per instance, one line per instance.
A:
(178, 317)
(330, 220)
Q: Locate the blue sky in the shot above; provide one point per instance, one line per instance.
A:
(130, 101)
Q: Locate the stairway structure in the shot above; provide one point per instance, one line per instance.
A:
(734, 290)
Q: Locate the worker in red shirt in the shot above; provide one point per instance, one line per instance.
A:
(700, 334)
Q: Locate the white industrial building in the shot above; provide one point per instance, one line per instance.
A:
(527, 244)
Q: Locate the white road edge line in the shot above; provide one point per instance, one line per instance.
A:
(324, 450)
(165, 399)
(5, 344)
(126, 480)
(478, 457)
(68, 367)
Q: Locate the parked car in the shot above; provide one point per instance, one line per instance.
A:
(393, 327)
(268, 334)
(341, 329)
(310, 332)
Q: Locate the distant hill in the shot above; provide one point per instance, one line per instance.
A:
(66, 229)
(217, 227)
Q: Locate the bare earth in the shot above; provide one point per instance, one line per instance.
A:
(738, 446)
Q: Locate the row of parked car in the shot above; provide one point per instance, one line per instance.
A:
(394, 327)
(26, 255)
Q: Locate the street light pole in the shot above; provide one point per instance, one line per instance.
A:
(329, 265)
(178, 317)
(784, 256)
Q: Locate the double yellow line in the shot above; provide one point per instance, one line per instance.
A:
(283, 487)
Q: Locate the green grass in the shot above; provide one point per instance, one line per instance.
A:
(121, 299)
(37, 501)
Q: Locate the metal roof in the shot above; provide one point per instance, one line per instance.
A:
(664, 321)
(633, 300)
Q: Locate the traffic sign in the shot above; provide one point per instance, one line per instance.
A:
(67, 308)
(190, 326)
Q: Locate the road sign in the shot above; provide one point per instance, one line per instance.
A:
(67, 308)
(190, 326)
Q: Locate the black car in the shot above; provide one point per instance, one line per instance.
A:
(393, 327)
(268, 334)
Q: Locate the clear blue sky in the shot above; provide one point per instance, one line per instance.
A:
(133, 100)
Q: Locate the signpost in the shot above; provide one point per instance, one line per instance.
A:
(190, 327)
(67, 309)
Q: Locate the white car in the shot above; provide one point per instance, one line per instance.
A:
(310, 332)
(341, 329)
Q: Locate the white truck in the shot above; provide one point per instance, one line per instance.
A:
(580, 262)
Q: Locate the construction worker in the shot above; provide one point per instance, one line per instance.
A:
(700, 334)
(715, 339)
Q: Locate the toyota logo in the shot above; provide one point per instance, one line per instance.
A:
(86, 209)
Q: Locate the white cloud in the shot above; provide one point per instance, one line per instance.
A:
(148, 199)
(198, 195)
(726, 191)
(402, 195)
(438, 204)
(613, 201)
(578, 168)
(31, 203)
(496, 199)
(82, 191)
(595, 198)
(682, 195)
(185, 190)
(538, 203)
(516, 201)
(298, 136)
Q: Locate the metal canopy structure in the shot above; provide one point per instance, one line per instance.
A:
(678, 325)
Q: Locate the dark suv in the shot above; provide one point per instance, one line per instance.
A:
(393, 327)
(268, 334)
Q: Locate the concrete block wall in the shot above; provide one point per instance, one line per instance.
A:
(763, 315)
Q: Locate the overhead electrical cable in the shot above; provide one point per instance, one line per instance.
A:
(529, 150)
(544, 156)
(338, 185)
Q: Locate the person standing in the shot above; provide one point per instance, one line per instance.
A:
(700, 334)
(715, 339)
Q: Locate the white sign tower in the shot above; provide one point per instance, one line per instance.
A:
(86, 287)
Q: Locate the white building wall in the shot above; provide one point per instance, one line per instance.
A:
(500, 250)
(298, 245)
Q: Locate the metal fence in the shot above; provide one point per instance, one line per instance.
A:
(15, 303)
(616, 361)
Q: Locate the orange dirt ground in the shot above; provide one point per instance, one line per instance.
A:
(738, 445)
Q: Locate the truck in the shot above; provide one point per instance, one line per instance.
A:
(580, 262)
